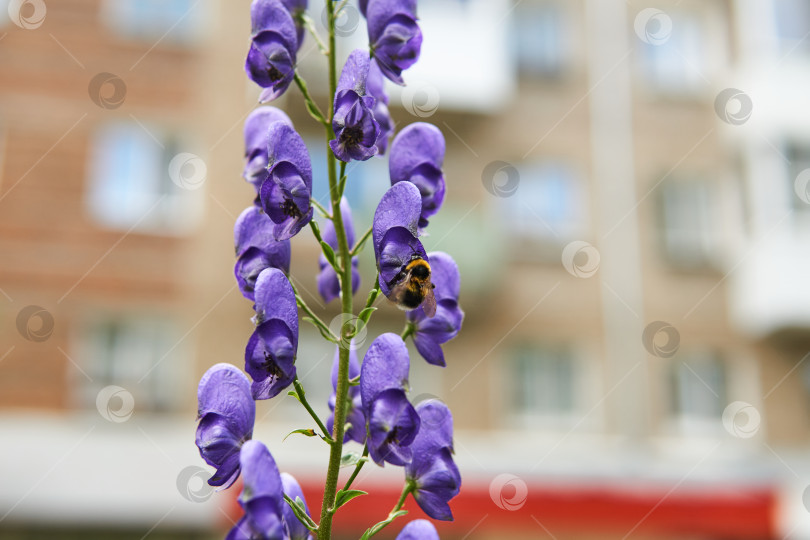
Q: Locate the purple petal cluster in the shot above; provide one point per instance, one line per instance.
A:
(417, 155)
(286, 193)
(394, 37)
(328, 282)
(226, 412)
(262, 496)
(391, 421)
(271, 350)
(257, 249)
(298, 9)
(395, 233)
(274, 42)
(257, 127)
(356, 130)
(431, 332)
(418, 529)
(432, 469)
(354, 415)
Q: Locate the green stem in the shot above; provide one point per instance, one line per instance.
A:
(302, 398)
(324, 212)
(341, 393)
(312, 107)
(308, 24)
(314, 319)
(359, 245)
(342, 176)
(410, 328)
(356, 469)
(395, 512)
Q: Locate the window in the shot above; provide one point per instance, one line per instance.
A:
(675, 65)
(792, 25)
(539, 39)
(686, 223)
(130, 186)
(543, 382)
(698, 382)
(548, 207)
(141, 354)
(170, 21)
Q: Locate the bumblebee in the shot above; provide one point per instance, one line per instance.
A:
(412, 287)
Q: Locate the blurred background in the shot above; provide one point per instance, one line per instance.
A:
(627, 199)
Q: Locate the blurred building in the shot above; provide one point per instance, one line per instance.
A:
(627, 200)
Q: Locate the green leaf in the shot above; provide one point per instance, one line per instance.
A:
(299, 509)
(350, 459)
(303, 431)
(365, 315)
(343, 497)
(329, 253)
(379, 526)
(316, 230)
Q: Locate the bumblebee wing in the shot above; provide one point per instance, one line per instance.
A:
(429, 303)
(397, 294)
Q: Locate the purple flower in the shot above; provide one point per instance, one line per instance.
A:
(354, 415)
(391, 421)
(295, 529)
(226, 411)
(356, 130)
(432, 470)
(395, 231)
(417, 154)
(286, 193)
(257, 126)
(262, 496)
(375, 86)
(274, 41)
(363, 5)
(256, 249)
(393, 35)
(271, 350)
(328, 283)
(298, 9)
(431, 332)
(418, 529)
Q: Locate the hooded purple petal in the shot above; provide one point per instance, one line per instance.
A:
(395, 38)
(270, 358)
(392, 426)
(262, 495)
(295, 529)
(270, 63)
(257, 249)
(385, 365)
(354, 73)
(400, 206)
(432, 468)
(356, 130)
(418, 529)
(227, 413)
(417, 156)
(271, 350)
(275, 299)
(285, 195)
(256, 130)
(391, 421)
(297, 9)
